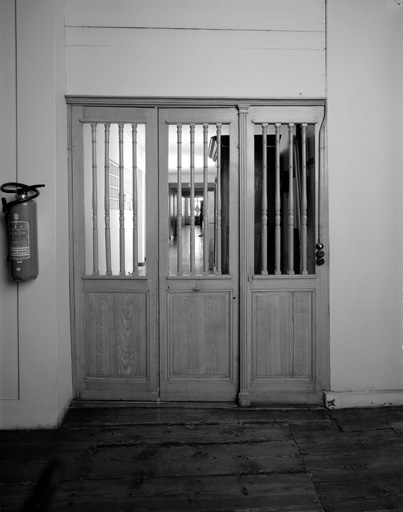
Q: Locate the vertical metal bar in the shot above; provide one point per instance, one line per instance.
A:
(135, 203)
(277, 207)
(107, 204)
(179, 215)
(122, 271)
(218, 201)
(264, 200)
(291, 200)
(95, 266)
(192, 197)
(205, 201)
(304, 207)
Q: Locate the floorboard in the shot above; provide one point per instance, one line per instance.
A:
(184, 458)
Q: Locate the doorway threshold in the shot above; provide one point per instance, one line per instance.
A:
(99, 404)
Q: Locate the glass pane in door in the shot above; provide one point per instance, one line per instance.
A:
(198, 203)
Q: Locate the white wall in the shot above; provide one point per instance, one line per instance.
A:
(8, 293)
(259, 48)
(225, 48)
(365, 144)
(38, 324)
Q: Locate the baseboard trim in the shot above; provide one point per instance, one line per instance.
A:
(347, 399)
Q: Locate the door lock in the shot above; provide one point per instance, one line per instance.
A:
(320, 254)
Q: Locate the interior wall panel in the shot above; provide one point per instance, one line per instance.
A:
(8, 168)
(208, 14)
(262, 49)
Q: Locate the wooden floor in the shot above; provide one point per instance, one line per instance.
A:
(171, 458)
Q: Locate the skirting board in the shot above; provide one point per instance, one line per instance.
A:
(347, 399)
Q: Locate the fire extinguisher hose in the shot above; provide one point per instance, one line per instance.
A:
(27, 192)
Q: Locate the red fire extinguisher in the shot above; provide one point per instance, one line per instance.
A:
(22, 228)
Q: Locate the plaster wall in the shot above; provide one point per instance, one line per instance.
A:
(261, 48)
(365, 162)
(37, 324)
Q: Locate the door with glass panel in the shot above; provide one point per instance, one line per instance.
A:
(199, 254)
(114, 213)
(285, 355)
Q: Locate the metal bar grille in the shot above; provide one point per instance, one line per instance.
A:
(286, 198)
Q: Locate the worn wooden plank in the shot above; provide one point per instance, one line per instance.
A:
(131, 461)
(295, 460)
(74, 440)
(374, 492)
(367, 418)
(333, 440)
(184, 415)
(139, 462)
(263, 492)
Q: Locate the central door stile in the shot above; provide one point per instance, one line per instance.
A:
(198, 254)
(245, 213)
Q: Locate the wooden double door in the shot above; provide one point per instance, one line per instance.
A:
(196, 274)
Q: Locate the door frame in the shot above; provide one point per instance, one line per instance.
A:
(243, 105)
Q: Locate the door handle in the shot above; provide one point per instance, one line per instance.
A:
(198, 287)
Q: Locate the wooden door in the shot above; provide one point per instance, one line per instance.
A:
(284, 355)
(114, 216)
(199, 254)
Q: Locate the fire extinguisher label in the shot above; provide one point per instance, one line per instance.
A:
(19, 240)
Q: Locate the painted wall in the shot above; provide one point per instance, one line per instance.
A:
(207, 48)
(365, 144)
(8, 156)
(229, 48)
(35, 315)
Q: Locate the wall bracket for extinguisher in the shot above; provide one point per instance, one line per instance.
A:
(21, 220)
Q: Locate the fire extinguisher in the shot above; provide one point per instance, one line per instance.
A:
(22, 228)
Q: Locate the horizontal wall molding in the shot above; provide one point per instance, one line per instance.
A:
(347, 399)
(187, 101)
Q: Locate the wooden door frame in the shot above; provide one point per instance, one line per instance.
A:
(243, 105)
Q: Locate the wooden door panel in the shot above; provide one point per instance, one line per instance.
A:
(116, 334)
(199, 335)
(272, 334)
(282, 334)
(303, 321)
